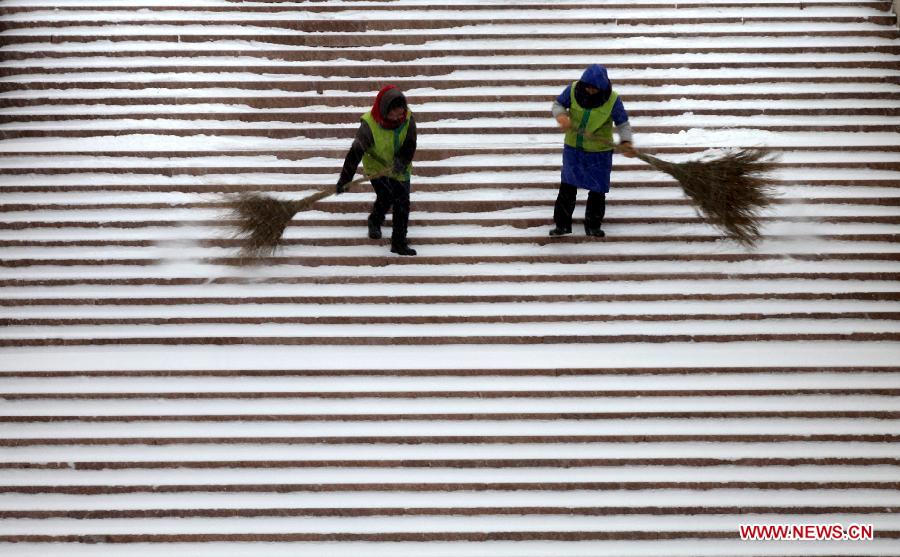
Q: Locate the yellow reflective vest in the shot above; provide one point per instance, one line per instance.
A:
(592, 128)
(380, 157)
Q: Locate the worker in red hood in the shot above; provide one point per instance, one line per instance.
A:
(386, 144)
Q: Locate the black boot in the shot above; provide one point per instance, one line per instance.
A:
(402, 249)
(594, 213)
(374, 229)
(562, 210)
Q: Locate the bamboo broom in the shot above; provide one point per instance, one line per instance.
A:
(730, 190)
(261, 219)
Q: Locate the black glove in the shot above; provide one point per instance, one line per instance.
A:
(340, 188)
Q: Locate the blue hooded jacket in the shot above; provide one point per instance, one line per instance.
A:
(582, 169)
(596, 75)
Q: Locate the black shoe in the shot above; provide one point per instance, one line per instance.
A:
(560, 231)
(402, 249)
(374, 230)
(596, 232)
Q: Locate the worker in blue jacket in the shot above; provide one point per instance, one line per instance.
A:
(586, 111)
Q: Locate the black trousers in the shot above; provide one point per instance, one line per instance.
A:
(565, 206)
(391, 195)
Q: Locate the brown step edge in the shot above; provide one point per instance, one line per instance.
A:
(432, 117)
(565, 536)
(369, 85)
(37, 168)
(337, 99)
(576, 259)
(330, 173)
(317, 33)
(442, 487)
(493, 372)
(451, 440)
(307, 28)
(418, 187)
(514, 222)
(383, 261)
(449, 299)
(410, 39)
(274, 7)
(453, 463)
(411, 55)
(445, 299)
(447, 206)
(425, 24)
(446, 279)
(436, 154)
(371, 537)
(511, 536)
(444, 206)
(348, 133)
(447, 340)
(443, 511)
(413, 70)
(388, 5)
(540, 240)
(298, 101)
(349, 395)
(441, 319)
(491, 416)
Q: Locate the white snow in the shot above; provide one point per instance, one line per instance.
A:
(821, 206)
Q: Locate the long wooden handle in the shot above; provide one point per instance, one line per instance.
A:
(614, 146)
(322, 194)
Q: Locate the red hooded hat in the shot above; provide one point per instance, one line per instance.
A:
(388, 94)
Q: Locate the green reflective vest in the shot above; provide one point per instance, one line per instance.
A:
(380, 156)
(592, 128)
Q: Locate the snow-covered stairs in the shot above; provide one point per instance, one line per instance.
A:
(640, 395)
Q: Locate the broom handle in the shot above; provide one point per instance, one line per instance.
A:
(306, 201)
(649, 159)
(613, 146)
(309, 200)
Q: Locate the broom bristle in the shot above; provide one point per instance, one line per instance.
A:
(261, 221)
(729, 190)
